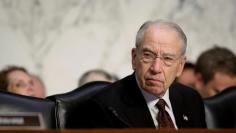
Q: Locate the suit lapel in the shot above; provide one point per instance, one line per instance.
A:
(133, 110)
(135, 107)
(177, 103)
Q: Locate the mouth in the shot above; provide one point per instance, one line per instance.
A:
(154, 82)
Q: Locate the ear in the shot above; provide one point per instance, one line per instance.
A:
(134, 56)
(181, 66)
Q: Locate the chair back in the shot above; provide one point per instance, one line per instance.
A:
(68, 103)
(221, 109)
(17, 104)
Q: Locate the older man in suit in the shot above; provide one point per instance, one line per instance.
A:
(132, 102)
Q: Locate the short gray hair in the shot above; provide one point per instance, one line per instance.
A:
(172, 25)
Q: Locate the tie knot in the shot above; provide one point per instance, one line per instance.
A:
(161, 104)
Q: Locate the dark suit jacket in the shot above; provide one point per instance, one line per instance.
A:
(122, 105)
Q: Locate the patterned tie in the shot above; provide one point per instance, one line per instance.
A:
(163, 118)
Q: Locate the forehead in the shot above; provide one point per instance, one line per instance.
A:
(161, 38)
(18, 75)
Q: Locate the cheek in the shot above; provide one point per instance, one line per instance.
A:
(169, 75)
(169, 72)
(11, 87)
(142, 71)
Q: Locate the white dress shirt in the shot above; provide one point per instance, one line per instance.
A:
(151, 100)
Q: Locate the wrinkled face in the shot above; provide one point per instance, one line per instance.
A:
(158, 59)
(21, 83)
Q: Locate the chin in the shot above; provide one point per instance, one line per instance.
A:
(157, 91)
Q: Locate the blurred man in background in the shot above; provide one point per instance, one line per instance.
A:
(96, 75)
(188, 76)
(215, 71)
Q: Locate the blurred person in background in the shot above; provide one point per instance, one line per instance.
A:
(215, 71)
(17, 80)
(188, 76)
(96, 75)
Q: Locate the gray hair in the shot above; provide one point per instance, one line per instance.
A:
(87, 76)
(172, 25)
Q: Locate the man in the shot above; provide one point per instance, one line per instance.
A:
(215, 71)
(157, 59)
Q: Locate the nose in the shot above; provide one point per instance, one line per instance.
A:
(30, 90)
(156, 66)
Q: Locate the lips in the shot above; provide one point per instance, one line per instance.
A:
(154, 82)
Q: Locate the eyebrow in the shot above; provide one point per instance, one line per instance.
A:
(164, 54)
(147, 50)
(19, 81)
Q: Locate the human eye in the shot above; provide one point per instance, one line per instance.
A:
(20, 85)
(168, 58)
(148, 55)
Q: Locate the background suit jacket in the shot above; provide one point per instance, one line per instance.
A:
(122, 105)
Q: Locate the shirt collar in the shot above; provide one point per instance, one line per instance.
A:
(151, 100)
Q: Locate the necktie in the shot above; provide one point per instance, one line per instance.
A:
(163, 118)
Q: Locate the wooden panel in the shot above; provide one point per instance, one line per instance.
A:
(121, 131)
